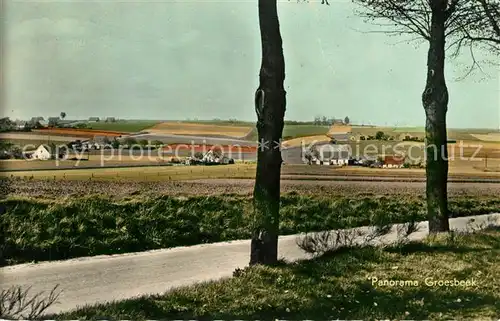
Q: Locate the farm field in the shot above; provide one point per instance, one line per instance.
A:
(459, 169)
(453, 133)
(241, 130)
(82, 161)
(464, 149)
(35, 138)
(296, 142)
(32, 144)
(90, 133)
(294, 131)
(490, 137)
(226, 149)
(128, 189)
(200, 129)
(126, 126)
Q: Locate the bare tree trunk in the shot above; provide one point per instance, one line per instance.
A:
(270, 105)
(435, 102)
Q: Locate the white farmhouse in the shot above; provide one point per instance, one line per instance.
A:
(332, 154)
(340, 160)
(41, 153)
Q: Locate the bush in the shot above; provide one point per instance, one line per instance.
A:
(175, 160)
(156, 143)
(129, 141)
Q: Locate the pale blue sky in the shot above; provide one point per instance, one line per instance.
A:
(187, 59)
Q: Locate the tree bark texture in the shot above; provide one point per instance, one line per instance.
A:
(435, 102)
(270, 105)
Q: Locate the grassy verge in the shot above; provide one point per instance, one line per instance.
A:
(38, 230)
(340, 285)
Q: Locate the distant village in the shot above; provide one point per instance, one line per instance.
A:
(6, 124)
(340, 134)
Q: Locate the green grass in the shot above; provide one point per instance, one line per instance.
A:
(131, 126)
(39, 230)
(339, 285)
(294, 131)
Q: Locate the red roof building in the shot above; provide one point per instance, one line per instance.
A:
(394, 161)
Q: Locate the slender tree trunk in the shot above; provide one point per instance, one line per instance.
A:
(270, 105)
(435, 102)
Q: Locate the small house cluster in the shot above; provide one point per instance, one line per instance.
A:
(210, 158)
(340, 155)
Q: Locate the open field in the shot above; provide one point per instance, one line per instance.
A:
(297, 142)
(200, 129)
(371, 147)
(465, 149)
(32, 144)
(294, 131)
(340, 129)
(88, 133)
(126, 189)
(241, 130)
(191, 139)
(219, 122)
(34, 138)
(128, 126)
(340, 285)
(226, 149)
(82, 161)
(101, 167)
(453, 133)
(491, 137)
(465, 158)
(71, 170)
(409, 129)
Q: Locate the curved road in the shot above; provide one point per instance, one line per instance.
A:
(185, 139)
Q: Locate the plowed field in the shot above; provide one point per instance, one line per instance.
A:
(181, 128)
(79, 132)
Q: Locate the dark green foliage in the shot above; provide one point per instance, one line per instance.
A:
(50, 230)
